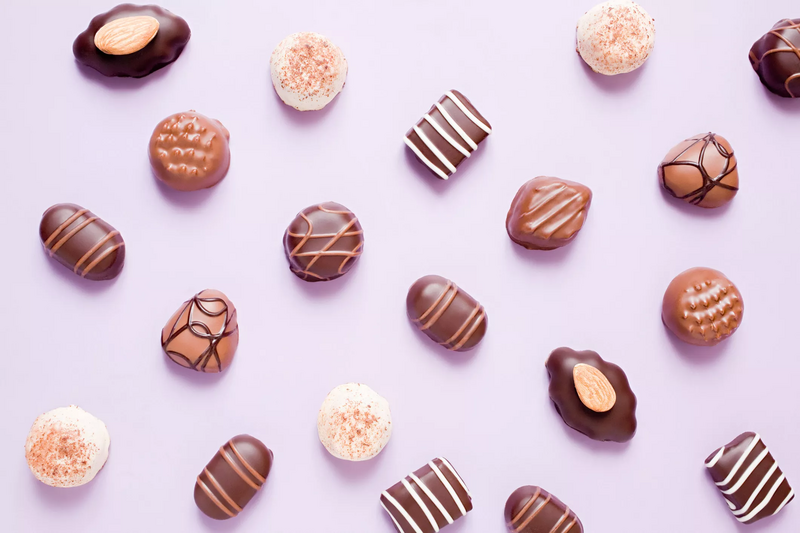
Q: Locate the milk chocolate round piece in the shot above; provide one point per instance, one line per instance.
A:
(447, 314)
(203, 333)
(323, 242)
(702, 307)
(189, 151)
(547, 213)
(137, 51)
(82, 242)
(701, 170)
(532, 509)
(776, 58)
(233, 476)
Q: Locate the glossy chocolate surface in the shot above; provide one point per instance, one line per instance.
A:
(166, 46)
(203, 333)
(618, 424)
(446, 313)
(233, 476)
(82, 242)
(776, 58)
(547, 213)
(323, 242)
(532, 509)
(702, 307)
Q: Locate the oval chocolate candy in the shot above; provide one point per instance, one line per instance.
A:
(82, 242)
(232, 477)
(531, 509)
(446, 313)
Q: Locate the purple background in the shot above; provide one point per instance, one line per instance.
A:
(70, 135)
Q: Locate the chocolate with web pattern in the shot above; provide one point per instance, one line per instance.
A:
(776, 58)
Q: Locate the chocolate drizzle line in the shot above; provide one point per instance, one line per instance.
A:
(708, 182)
(792, 48)
(333, 238)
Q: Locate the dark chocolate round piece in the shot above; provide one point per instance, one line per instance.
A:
(618, 423)
(170, 39)
(702, 307)
(547, 213)
(323, 242)
(776, 58)
(189, 151)
(532, 509)
(701, 170)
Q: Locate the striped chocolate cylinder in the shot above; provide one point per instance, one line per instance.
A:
(445, 313)
(532, 509)
(447, 134)
(428, 499)
(749, 478)
(232, 477)
(82, 242)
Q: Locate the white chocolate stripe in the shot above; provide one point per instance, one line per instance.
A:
(456, 127)
(747, 472)
(421, 504)
(765, 502)
(453, 470)
(714, 460)
(424, 159)
(467, 112)
(756, 492)
(740, 462)
(403, 512)
(396, 523)
(433, 498)
(449, 487)
(784, 502)
(432, 148)
(445, 136)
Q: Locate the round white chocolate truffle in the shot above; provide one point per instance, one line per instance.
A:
(354, 422)
(616, 37)
(66, 447)
(308, 70)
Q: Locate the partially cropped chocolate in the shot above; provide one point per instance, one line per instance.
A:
(427, 500)
(447, 134)
(233, 476)
(203, 333)
(592, 395)
(82, 242)
(701, 170)
(751, 481)
(532, 509)
(776, 58)
(446, 313)
(323, 242)
(547, 213)
(702, 306)
(132, 41)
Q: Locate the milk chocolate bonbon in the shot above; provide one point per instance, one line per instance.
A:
(776, 58)
(532, 509)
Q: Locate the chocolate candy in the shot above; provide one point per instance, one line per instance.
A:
(203, 333)
(591, 395)
(547, 213)
(445, 313)
(323, 242)
(189, 151)
(702, 307)
(776, 58)
(447, 134)
(749, 478)
(701, 170)
(82, 242)
(354, 422)
(232, 477)
(427, 500)
(132, 41)
(532, 509)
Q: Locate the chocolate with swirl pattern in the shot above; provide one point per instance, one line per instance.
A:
(776, 58)
(532, 509)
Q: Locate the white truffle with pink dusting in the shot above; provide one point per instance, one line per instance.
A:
(616, 37)
(308, 70)
(354, 422)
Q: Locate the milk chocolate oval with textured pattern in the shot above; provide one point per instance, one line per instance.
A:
(532, 509)
(233, 476)
(82, 242)
(446, 313)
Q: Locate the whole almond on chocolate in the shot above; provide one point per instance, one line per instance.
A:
(127, 35)
(594, 389)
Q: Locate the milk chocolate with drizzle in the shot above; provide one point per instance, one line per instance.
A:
(532, 509)
(233, 476)
(702, 170)
(547, 213)
(323, 242)
(447, 134)
(82, 242)
(446, 313)
(203, 333)
(776, 58)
